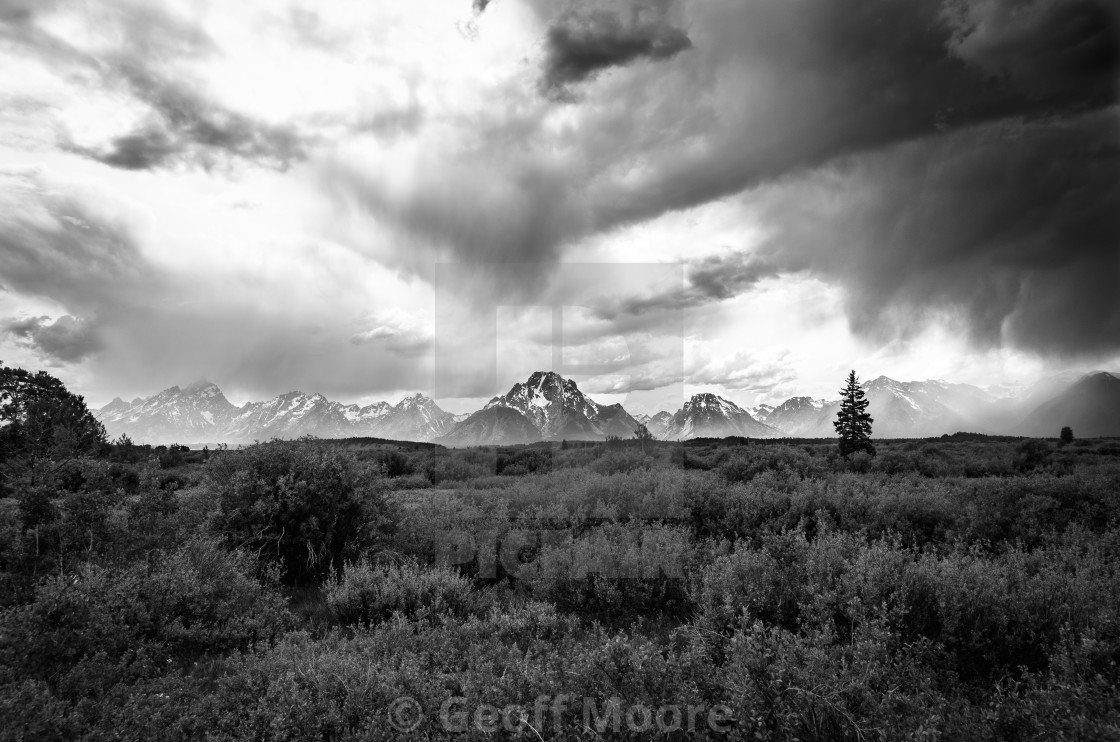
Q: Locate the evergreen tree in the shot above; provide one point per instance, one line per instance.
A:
(643, 436)
(853, 424)
(1067, 434)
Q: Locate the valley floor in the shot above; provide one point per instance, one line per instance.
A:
(961, 589)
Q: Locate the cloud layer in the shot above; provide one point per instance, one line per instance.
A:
(949, 163)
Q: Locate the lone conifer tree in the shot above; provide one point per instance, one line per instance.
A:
(853, 424)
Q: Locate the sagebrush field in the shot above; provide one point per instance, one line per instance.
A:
(964, 588)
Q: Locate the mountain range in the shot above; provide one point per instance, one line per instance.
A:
(549, 407)
(200, 412)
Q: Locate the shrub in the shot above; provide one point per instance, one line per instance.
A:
(366, 593)
(195, 600)
(614, 571)
(1032, 454)
(620, 461)
(298, 504)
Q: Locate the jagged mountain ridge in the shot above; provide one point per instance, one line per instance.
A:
(192, 413)
(200, 412)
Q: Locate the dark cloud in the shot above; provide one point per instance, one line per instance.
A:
(770, 89)
(585, 41)
(480, 5)
(141, 150)
(1009, 230)
(66, 339)
(710, 278)
(932, 158)
(185, 126)
(773, 87)
(717, 277)
(1049, 48)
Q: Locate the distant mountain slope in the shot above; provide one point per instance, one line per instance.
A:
(290, 415)
(559, 410)
(801, 417)
(501, 426)
(659, 424)
(711, 416)
(1090, 406)
(415, 418)
(201, 412)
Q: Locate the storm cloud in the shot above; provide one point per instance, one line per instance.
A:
(1058, 49)
(1007, 231)
(937, 159)
(584, 41)
(768, 90)
(775, 87)
(1010, 230)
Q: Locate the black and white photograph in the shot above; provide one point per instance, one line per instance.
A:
(560, 370)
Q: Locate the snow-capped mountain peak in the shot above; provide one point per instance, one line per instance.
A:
(558, 409)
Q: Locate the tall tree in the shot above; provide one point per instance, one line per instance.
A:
(643, 436)
(853, 424)
(40, 418)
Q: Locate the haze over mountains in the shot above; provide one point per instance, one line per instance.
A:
(548, 407)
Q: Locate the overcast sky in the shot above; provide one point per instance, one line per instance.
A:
(266, 194)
